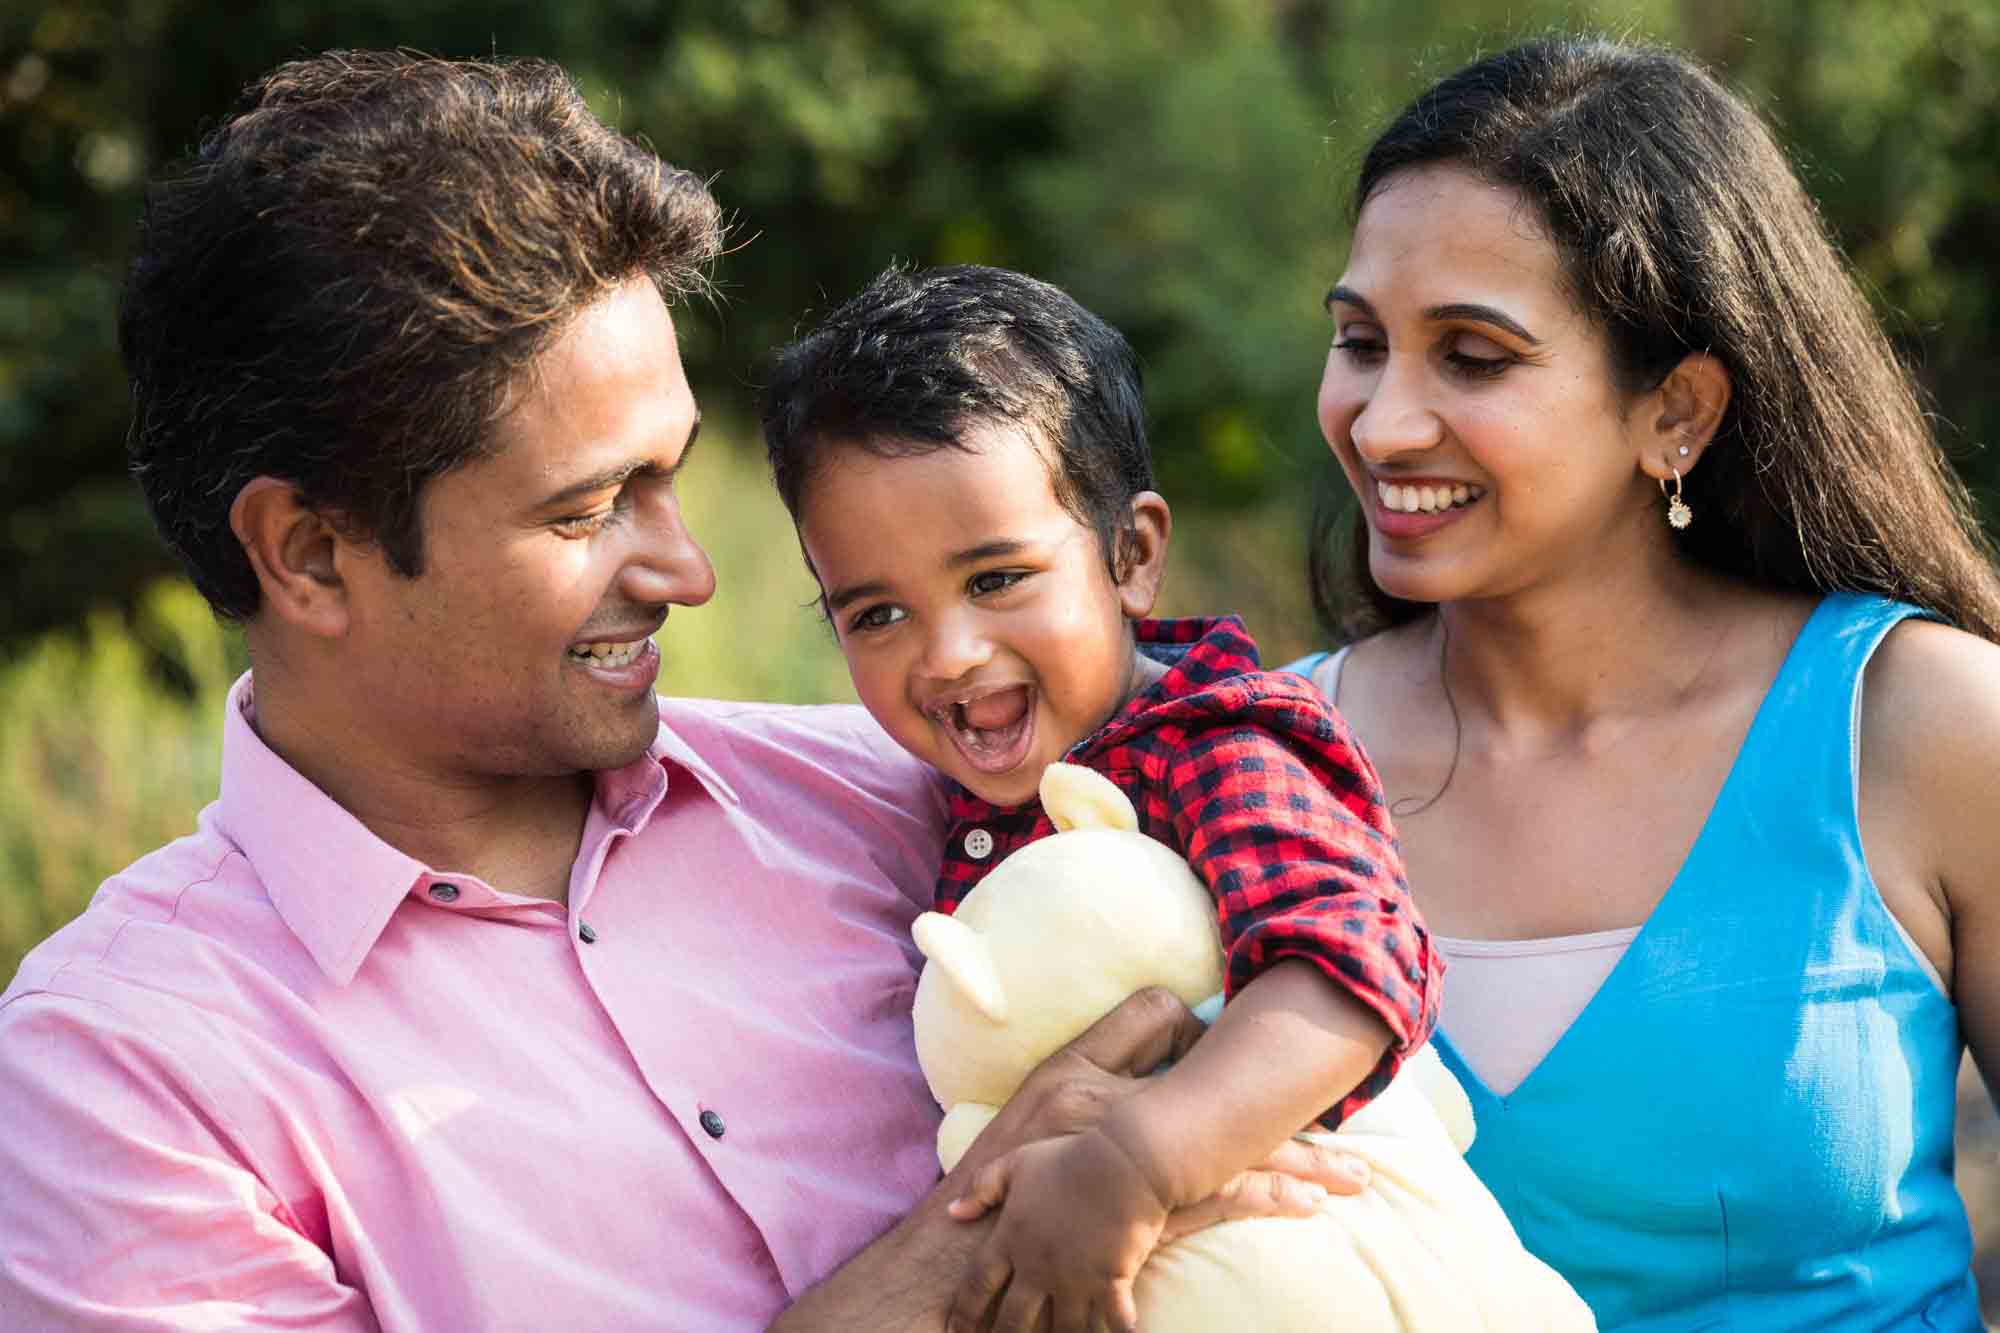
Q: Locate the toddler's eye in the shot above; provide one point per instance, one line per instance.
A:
(990, 581)
(876, 617)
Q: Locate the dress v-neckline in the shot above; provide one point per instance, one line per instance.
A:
(1632, 961)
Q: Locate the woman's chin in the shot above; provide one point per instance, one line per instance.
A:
(1407, 585)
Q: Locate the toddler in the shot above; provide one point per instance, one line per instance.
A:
(964, 453)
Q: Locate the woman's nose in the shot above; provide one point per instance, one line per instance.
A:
(1396, 417)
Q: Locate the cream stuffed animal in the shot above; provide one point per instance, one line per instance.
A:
(1066, 928)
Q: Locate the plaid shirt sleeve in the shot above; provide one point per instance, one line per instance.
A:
(1283, 816)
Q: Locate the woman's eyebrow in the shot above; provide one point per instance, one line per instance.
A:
(1482, 314)
(1339, 295)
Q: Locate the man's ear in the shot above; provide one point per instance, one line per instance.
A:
(295, 551)
(1686, 410)
(1142, 555)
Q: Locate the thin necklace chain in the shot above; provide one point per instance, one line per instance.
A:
(1412, 805)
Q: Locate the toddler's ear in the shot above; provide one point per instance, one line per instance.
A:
(1142, 555)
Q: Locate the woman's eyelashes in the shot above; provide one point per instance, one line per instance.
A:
(1476, 356)
(1468, 355)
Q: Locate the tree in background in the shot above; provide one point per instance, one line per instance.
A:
(1179, 166)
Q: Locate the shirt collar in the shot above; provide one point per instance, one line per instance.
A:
(333, 882)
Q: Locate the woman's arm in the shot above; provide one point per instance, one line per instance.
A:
(1930, 803)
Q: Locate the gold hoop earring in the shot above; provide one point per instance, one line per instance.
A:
(1678, 513)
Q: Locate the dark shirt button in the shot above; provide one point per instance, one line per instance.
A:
(712, 1124)
(445, 893)
(585, 933)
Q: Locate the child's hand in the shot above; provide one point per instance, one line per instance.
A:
(1080, 1217)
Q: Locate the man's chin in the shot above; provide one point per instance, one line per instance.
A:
(617, 746)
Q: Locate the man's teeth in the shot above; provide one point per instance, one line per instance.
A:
(1426, 499)
(609, 654)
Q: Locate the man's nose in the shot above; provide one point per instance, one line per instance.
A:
(669, 566)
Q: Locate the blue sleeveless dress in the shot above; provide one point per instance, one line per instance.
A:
(1750, 1125)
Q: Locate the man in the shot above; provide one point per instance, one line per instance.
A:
(492, 991)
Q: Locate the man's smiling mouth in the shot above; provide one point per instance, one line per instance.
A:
(607, 654)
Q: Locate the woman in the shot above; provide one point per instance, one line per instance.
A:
(1644, 497)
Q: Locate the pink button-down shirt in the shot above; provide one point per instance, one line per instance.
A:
(281, 1075)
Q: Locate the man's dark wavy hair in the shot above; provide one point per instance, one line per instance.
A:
(339, 286)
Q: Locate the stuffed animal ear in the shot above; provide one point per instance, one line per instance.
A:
(1078, 797)
(957, 949)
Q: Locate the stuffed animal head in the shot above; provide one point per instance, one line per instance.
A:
(1054, 938)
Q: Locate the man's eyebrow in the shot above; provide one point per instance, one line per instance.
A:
(1465, 310)
(617, 475)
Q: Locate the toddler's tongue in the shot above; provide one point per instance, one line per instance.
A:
(995, 712)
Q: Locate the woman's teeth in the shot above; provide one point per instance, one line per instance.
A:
(1426, 499)
(609, 654)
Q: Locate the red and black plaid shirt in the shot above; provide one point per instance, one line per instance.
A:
(1253, 777)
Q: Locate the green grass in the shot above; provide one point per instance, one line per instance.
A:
(102, 758)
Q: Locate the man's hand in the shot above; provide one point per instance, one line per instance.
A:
(1073, 1089)
(1081, 1214)
(906, 1279)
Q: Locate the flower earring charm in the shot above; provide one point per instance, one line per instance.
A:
(1678, 513)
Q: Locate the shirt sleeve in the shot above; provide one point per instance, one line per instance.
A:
(122, 1204)
(1284, 818)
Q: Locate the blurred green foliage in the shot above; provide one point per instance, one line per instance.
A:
(1180, 166)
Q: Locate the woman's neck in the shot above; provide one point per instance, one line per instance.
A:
(1558, 667)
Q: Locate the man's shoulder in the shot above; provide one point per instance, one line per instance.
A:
(192, 900)
(794, 751)
(694, 716)
(724, 732)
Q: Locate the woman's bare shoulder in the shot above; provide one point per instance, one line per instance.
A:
(1934, 691)
(1930, 754)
